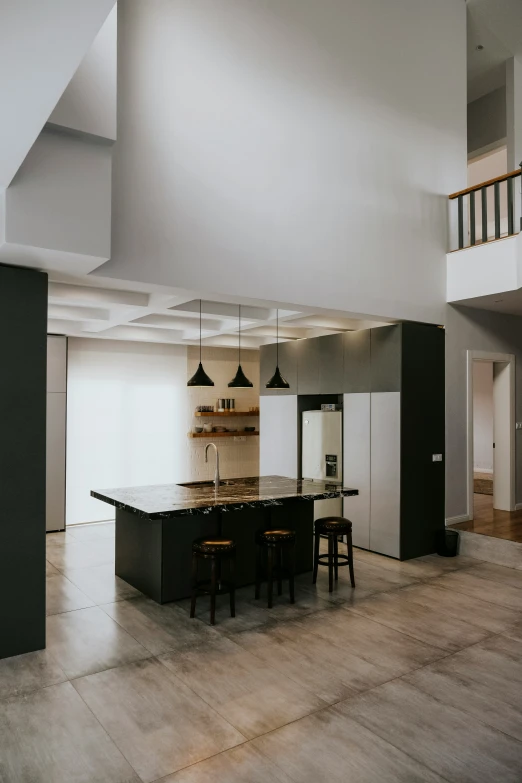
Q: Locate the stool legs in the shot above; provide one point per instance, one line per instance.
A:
(213, 581)
(291, 573)
(259, 569)
(317, 541)
(336, 558)
(279, 572)
(330, 563)
(270, 575)
(233, 588)
(350, 558)
(194, 585)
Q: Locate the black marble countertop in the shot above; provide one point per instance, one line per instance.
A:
(174, 500)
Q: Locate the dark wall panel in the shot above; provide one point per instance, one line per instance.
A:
(422, 435)
(23, 348)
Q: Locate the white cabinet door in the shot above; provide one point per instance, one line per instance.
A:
(278, 436)
(356, 465)
(56, 363)
(55, 483)
(385, 527)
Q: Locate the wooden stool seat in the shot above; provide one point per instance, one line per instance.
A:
(275, 542)
(217, 550)
(332, 528)
(275, 537)
(213, 546)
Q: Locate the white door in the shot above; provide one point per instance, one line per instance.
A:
(356, 465)
(503, 427)
(385, 439)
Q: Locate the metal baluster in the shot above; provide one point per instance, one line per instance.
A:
(496, 188)
(511, 227)
(461, 221)
(484, 197)
(521, 198)
(472, 237)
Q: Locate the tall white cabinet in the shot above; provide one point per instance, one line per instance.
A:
(56, 431)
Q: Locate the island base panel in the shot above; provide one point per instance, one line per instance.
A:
(155, 556)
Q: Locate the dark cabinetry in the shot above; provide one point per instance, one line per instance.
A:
(287, 364)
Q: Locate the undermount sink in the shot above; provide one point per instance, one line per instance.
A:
(195, 484)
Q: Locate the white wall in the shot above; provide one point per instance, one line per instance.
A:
(291, 150)
(236, 458)
(483, 416)
(126, 420)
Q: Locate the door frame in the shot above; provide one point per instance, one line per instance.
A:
(504, 358)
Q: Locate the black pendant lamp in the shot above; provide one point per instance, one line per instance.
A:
(277, 381)
(200, 377)
(240, 381)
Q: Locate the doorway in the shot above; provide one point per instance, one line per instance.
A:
(491, 446)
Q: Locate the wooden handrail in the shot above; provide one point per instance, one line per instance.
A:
(474, 188)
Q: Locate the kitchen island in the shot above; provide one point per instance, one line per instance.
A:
(156, 525)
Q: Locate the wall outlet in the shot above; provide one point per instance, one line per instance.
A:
(240, 439)
(519, 425)
(436, 457)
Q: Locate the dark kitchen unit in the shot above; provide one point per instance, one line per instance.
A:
(389, 382)
(156, 525)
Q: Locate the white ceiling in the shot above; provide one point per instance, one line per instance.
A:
(497, 26)
(110, 309)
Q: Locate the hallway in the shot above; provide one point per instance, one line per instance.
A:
(491, 522)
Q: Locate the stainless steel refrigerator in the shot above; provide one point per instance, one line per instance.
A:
(322, 455)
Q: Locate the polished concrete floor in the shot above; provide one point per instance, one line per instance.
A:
(415, 676)
(488, 521)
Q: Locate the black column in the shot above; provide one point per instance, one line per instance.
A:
(23, 348)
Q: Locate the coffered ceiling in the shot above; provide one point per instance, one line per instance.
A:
(109, 309)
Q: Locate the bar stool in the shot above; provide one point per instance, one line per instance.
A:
(332, 528)
(217, 550)
(276, 543)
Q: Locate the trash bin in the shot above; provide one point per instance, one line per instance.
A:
(448, 543)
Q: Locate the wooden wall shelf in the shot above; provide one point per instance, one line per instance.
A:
(238, 434)
(226, 413)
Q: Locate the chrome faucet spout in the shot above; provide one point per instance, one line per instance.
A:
(216, 475)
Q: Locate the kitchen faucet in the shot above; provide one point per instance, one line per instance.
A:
(216, 476)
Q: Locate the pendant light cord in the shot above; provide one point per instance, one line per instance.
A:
(277, 337)
(239, 358)
(200, 331)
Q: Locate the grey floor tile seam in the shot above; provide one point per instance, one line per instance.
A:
(101, 724)
(175, 648)
(455, 588)
(472, 718)
(316, 712)
(414, 638)
(228, 750)
(492, 578)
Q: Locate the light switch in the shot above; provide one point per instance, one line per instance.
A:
(519, 425)
(436, 457)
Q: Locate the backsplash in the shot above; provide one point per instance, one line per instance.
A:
(236, 459)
